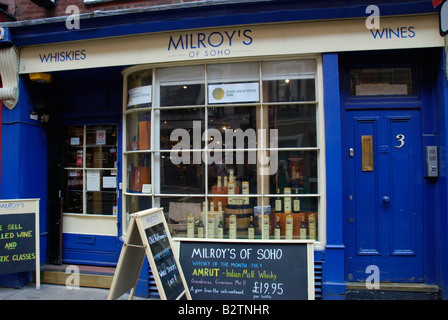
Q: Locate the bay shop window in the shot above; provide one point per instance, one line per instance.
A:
(231, 150)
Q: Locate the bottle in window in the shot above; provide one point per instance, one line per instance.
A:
(190, 226)
(289, 224)
(251, 229)
(302, 233)
(200, 229)
(312, 226)
(296, 203)
(232, 226)
(278, 202)
(220, 229)
(278, 229)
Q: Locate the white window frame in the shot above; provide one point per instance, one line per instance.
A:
(155, 129)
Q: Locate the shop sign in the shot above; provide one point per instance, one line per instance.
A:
(264, 40)
(148, 234)
(248, 270)
(140, 95)
(212, 44)
(19, 237)
(233, 93)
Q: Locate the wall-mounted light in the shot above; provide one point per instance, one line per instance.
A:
(41, 77)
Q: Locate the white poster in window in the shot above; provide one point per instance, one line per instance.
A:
(233, 93)
(100, 137)
(140, 95)
(93, 180)
(110, 182)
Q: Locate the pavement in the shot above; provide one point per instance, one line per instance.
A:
(57, 292)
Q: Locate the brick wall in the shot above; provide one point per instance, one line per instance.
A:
(26, 10)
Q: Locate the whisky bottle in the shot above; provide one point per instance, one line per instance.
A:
(287, 201)
(266, 226)
(211, 225)
(312, 226)
(278, 203)
(302, 233)
(251, 229)
(277, 229)
(190, 226)
(200, 229)
(289, 224)
(232, 226)
(219, 206)
(220, 229)
(296, 203)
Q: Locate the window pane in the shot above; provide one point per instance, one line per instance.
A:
(294, 216)
(139, 89)
(381, 81)
(182, 175)
(101, 150)
(232, 72)
(228, 119)
(289, 81)
(296, 125)
(239, 168)
(181, 86)
(101, 192)
(190, 121)
(139, 173)
(138, 131)
(181, 212)
(73, 200)
(135, 204)
(74, 147)
(296, 169)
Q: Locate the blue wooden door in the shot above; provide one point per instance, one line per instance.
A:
(384, 201)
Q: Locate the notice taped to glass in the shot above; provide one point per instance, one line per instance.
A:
(248, 270)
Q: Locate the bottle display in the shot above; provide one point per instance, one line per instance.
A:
(287, 201)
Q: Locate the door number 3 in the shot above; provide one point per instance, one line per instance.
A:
(400, 138)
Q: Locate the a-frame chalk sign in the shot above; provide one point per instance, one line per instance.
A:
(148, 234)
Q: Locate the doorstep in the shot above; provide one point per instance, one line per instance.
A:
(89, 276)
(392, 291)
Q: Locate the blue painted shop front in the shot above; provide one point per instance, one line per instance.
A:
(388, 214)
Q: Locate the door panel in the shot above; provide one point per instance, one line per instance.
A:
(384, 221)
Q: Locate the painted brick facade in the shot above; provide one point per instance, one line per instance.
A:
(27, 10)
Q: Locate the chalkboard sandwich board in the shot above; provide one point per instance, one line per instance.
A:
(19, 237)
(248, 269)
(148, 234)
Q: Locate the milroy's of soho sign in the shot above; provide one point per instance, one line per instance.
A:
(213, 44)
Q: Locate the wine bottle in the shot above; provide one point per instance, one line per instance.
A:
(200, 229)
(278, 203)
(302, 233)
(278, 229)
(251, 229)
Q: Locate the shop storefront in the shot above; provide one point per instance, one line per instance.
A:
(268, 131)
